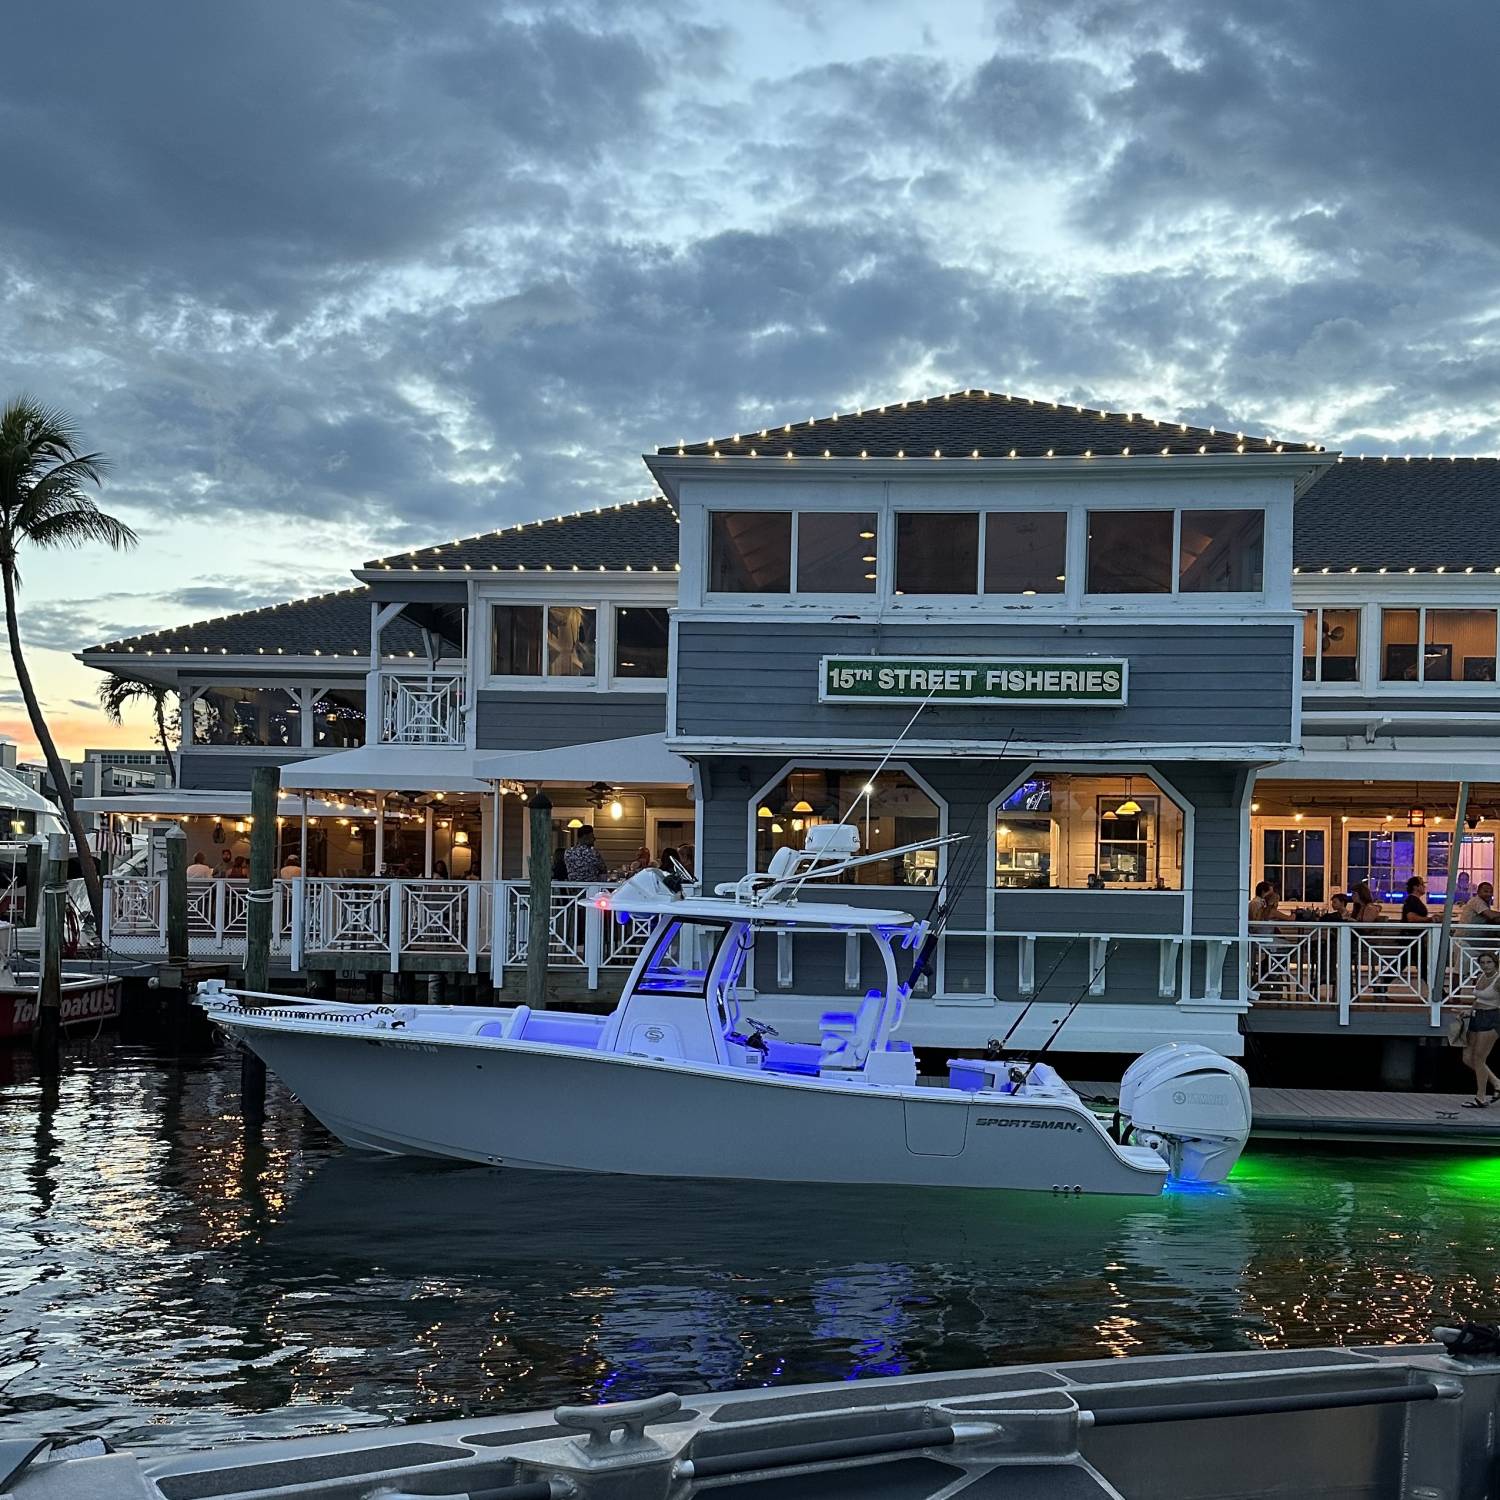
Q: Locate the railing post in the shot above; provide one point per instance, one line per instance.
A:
(394, 918)
(221, 913)
(593, 936)
(1098, 964)
(299, 914)
(107, 916)
(161, 911)
(499, 931)
(1343, 971)
(1026, 966)
(471, 916)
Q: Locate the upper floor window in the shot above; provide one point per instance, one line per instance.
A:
(937, 552)
(1437, 645)
(1183, 552)
(1330, 645)
(1025, 552)
(542, 640)
(762, 552)
(338, 716)
(641, 642)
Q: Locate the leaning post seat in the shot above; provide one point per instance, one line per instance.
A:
(847, 1036)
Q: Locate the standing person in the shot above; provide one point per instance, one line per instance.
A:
(1481, 1028)
(559, 864)
(200, 869)
(292, 869)
(1414, 908)
(583, 860)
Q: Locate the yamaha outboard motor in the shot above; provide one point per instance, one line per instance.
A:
(1191, 1106)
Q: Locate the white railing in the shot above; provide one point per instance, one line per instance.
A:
(135, 916)
(1363, 967)
(422, 708)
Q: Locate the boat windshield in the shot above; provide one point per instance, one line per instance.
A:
(681, 958)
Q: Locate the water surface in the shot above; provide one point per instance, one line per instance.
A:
(162, 1280)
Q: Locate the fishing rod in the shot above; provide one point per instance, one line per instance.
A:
(954, 883)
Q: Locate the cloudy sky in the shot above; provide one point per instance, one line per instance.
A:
(326, 280)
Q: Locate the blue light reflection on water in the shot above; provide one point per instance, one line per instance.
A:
(163, 1281)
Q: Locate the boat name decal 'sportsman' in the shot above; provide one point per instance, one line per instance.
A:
(1029, 1124)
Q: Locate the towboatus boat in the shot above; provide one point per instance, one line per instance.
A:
(677, 1081)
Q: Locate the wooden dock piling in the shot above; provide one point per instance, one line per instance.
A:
(36, 857)
(54, 910)
(265, 787)
(539, 925)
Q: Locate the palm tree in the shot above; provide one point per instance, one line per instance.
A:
(116, 693)
(43, 503)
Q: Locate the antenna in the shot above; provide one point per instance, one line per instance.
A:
(885, 760)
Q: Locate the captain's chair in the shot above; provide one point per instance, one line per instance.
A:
(847, 1036)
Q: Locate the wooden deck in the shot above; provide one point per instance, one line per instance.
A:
(1375, 1115)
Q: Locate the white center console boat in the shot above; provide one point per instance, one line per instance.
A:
(678, 1081)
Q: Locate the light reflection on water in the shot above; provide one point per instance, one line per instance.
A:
(163, 1280)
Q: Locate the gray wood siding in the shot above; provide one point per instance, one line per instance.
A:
(1197, 682)
(969, 786)
(224, 771)
(542, 721)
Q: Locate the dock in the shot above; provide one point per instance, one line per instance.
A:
(1377, 1116)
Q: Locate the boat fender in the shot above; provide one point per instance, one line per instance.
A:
(1470, 1340)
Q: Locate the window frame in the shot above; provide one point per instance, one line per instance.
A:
(1163, 786)
(869, 767)
(1421, 683)
(1317, 680)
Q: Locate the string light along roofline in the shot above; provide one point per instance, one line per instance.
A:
(737, 445)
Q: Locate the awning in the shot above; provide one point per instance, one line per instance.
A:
(386, 768)
(195, 803)
(14, 793)
(641, 760)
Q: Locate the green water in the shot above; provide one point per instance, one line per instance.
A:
(163, 1280)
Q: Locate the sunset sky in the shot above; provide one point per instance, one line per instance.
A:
(328, 280)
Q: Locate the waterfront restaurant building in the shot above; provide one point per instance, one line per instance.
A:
(1138, 665)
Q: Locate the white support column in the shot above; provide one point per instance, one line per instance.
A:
(471, 923)
(379, 833)
(427, 842)
(593, 941)
(302, 848)
(1098, 965)
(499, 932)
(851, 962)
(1343, 973)
(394, 917)
(784, 960)
(299, 912)
(1026, 965)
(1166, 968)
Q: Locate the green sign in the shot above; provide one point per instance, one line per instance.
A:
(1075, 682)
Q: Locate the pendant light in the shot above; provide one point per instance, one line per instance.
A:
(802, 806)
(1129, 808)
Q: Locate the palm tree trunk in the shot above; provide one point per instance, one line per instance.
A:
(159, 703)
(86, 864)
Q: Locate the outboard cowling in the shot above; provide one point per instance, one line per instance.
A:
(1190, 1105)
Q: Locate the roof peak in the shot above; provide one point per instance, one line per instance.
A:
(1001, 423)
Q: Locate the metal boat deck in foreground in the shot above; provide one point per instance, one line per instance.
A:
(1360, 1424)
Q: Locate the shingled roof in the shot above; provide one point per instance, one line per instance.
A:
(1399, 514)
(333, 625)
(984, 424)
(635, 536)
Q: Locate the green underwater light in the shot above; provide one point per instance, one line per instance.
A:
(1478, 1176)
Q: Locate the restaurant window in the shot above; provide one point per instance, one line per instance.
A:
(1385, 858)
(836, 552)
(750, 552)
(1082, 832)
(1130, 552)
(339, 718)
(889, 809)
(641, 642)
(1330, 645)
(1295, 861)
(937, 552)
(1476, 865)
(251, 716)
(1025, 552)
(536, 640)
(1221, 552)
(1456, 645)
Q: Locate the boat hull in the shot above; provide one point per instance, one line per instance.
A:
(563, 1109)
(84, 1001)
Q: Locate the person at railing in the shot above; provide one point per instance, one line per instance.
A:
(292, 869)
(584, 862)
(1481, 1026)
(1263, 903)
(1414, 908)
(1338, 908)
(240, 869)
(560, 864)
(440, 869)
(1364, 906)
(200, 869)
(226, 865)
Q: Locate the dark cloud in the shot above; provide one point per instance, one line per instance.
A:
(425, 271)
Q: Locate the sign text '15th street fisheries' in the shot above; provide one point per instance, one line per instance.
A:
(1088, 682)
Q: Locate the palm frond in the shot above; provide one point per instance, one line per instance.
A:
(77, 526)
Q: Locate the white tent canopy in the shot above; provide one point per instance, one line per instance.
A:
(386, 768)
(641, 760)
(179, 804)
